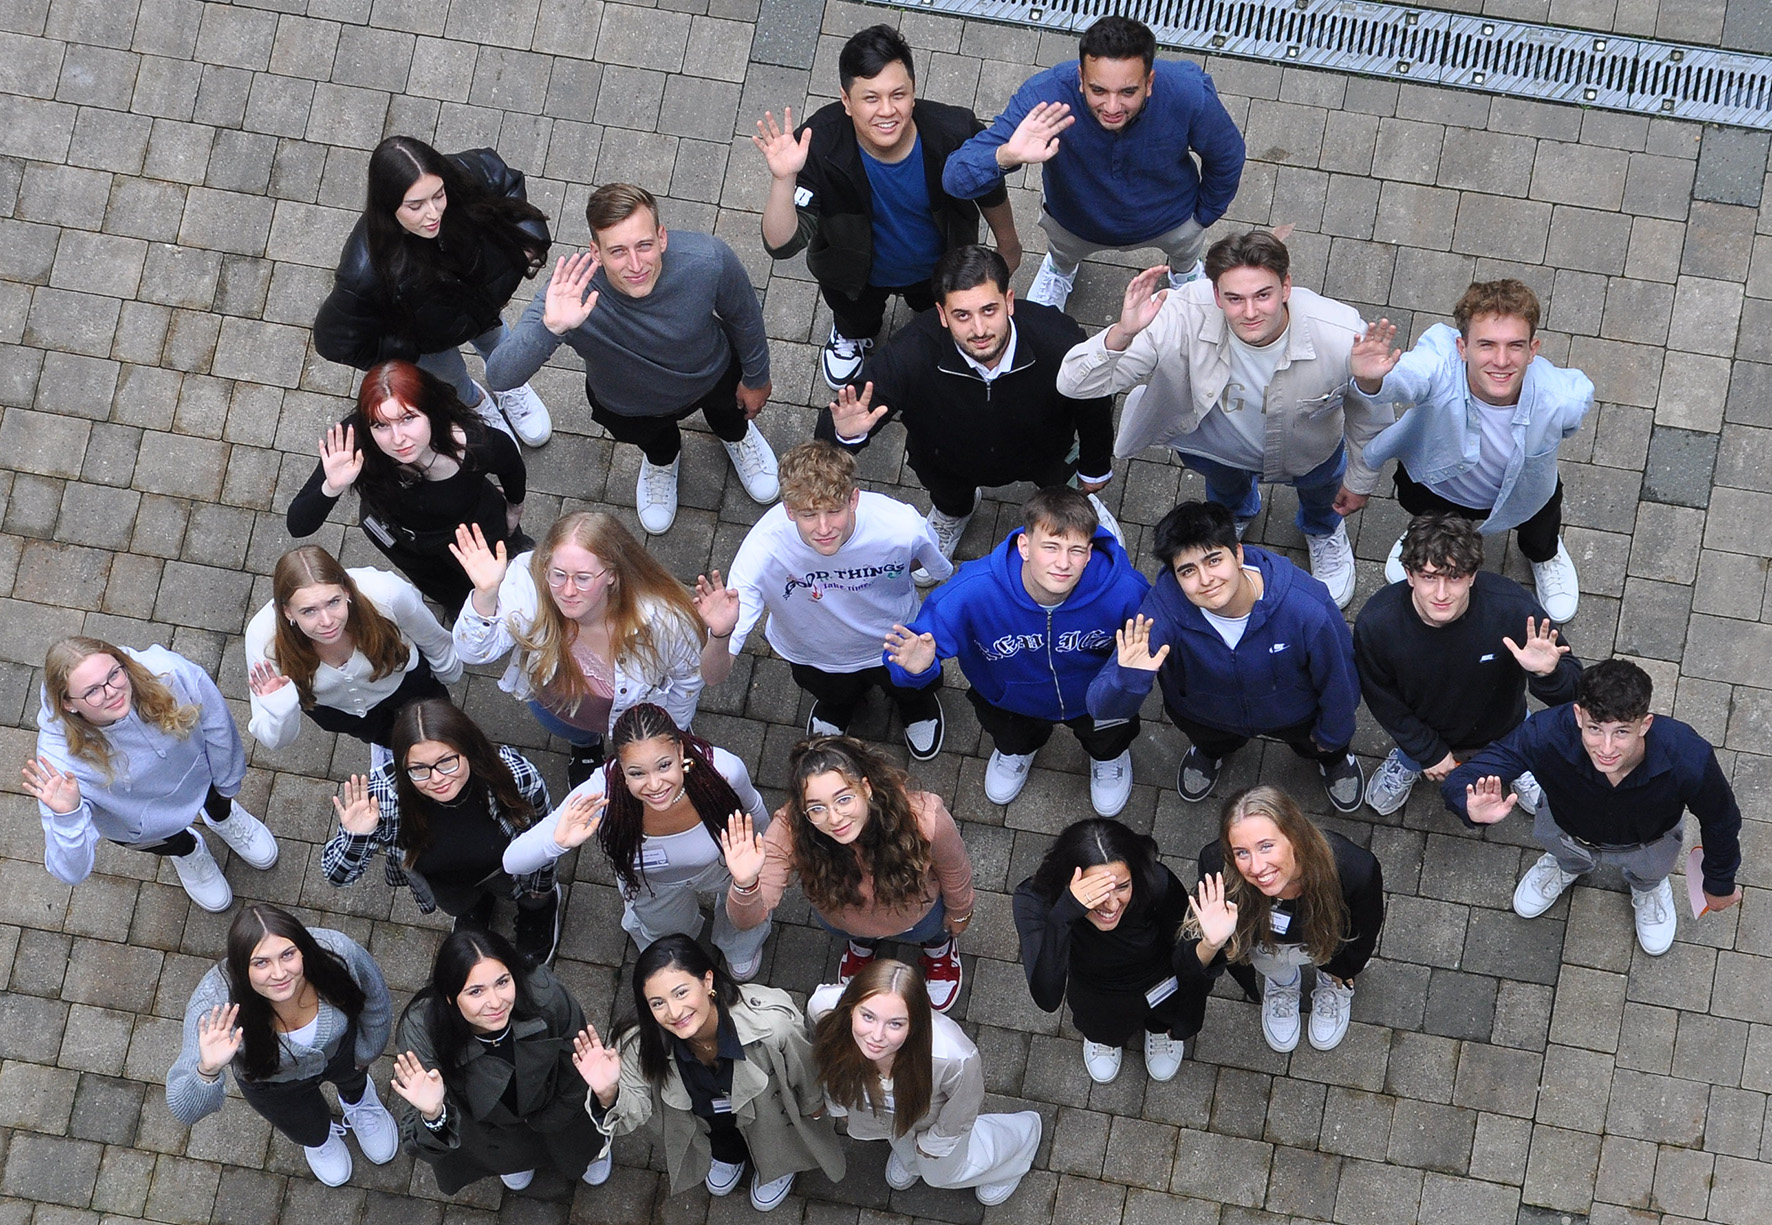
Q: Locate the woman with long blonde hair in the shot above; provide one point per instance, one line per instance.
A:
(134, 746)
(615, 630)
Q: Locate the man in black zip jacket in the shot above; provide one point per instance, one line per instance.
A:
(975, 383)
(858, 187)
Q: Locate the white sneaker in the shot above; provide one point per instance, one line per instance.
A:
(246, 836)
(767, 1196)
(377, 1133)
(1051, 287)
(1110, 784)
(331, 1162)
(486, 408)
(754, 461)
(1007, 775)
(519, 1180)
(1528, 792)
(744, 971)
(1559, 590)
(1178, 279)
(723, 1176)
(655, 495)
(899, 1176)
(1102, 1061)
(1332, 563)
(990, 1194)
(1656, 920)
(526, 413)
(948, 529)
(203, 880)
(1331, 1005)
(597, 1173)
(1391, 784)
(1393, 564)
(1543, 884)
(1163, 1056)
(843, 356)
(1108, 521)
(1242, 525)
(1279, 1012)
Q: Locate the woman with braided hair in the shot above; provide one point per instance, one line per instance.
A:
(658, 809)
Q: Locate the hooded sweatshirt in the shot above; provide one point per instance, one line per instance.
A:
(1295, 663)
(1019, 655)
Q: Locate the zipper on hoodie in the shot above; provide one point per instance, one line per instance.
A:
(1052, 670)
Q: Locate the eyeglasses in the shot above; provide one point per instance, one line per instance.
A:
(116, 681)
(582, 581)
(446, 766)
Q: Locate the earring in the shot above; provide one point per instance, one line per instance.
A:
(688, 764)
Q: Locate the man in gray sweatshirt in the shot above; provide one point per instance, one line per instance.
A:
(662, 338)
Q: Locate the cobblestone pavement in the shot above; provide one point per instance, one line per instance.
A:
(176, 178)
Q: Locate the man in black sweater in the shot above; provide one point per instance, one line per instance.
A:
(1446, 658)
(976, 384)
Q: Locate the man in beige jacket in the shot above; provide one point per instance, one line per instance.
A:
(1249, 381)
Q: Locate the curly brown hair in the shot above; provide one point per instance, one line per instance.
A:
(1450, 543)
(1505, 298)
(891, 850)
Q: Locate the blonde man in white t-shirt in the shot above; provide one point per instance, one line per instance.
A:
(831, 564)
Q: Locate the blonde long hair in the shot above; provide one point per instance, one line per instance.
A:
(371, 633)
(636, 577)
(1323, 909)
(150, 697)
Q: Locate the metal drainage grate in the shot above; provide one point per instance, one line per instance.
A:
(1517, 58)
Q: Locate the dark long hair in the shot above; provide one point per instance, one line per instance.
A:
(401, 257)
(670, 953)
(849, 1077)
(260, 1045)
(441, 720)
(1092, 842)
(384, 480)
(624, 821)
(890, 843)
(450, 1032)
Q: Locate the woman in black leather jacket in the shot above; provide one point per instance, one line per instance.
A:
(442, 244)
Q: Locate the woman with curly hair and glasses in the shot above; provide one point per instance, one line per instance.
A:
(877, 860)
(613, 629)
(658, 809)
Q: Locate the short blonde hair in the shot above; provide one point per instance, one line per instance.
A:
(816, 475)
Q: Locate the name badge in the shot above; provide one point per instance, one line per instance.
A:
(1281, 921)
(1162, 991)
(652, 858)
(722, 1105)
(886, 1102)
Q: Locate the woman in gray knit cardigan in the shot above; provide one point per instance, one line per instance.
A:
(290, 1007)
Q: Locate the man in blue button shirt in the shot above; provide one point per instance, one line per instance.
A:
(1122, 175)
(1616, 783)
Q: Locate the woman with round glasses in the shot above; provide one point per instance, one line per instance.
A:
(348, 648)
(134, 746)
(422, 466)
(443, 813)
(613, 630)
(443, 242)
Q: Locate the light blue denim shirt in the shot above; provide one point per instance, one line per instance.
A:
(1438, 435)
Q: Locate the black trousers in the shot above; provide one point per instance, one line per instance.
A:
(218, 806)
(297, 1108)
(1218, 744)
(1537, 536)
(1112, 1017)
(1020, 735)
(954, 490)
(658, 437)
(863, 317)
(839, 693)
(377, 726)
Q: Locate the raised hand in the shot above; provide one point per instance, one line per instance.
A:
(785, 155)
(742, 850)
(915, 653)
(1035, 138)
(570, 298)
(264, 678)
(55, 789)
(579, 818)
(1540, 651)
(485, 567)
(1217, 917)
(598, 1065)
(422, 1089)
(1372, 356)
(716, 604)
(218, 1038)
(1134, 645)
(1488, 800)
(1139, 305)
(340, 459)
(358, 812)
(850, 413)
(1092, 886)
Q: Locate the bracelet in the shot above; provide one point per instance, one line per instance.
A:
(437, 1123)
(960, 918)
(746, 891)
(207, 1079)
(719, 637)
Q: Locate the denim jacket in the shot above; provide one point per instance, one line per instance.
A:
(1438, 436)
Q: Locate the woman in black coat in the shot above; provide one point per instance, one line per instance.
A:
(442, 244)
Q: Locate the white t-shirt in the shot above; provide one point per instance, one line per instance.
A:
(1235, 432)
(1229, 628)
(1481, 486)
(833, 613)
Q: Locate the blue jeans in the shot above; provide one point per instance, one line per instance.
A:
(1241, 491)
(930, 929)
(453, 369)
(554, 725)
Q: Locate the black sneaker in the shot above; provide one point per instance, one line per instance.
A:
(538, 930)
(478, 918)
(1197, 776)
(586, 759)
(1344, 783)
(818, 725)
(924, 737)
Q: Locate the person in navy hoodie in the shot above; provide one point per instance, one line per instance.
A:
(1031, 625)
(1246, 644)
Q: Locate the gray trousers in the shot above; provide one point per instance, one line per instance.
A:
(450, 366)
(675, 910)
(1183, 245)
(1644, 866)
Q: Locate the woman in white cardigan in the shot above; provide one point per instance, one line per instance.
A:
(908, 1075)
(615, 630)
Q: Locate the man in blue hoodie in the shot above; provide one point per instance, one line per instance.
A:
(1031, 625)
(1246, 644)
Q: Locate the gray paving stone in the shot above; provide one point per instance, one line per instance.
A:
(1731, 166)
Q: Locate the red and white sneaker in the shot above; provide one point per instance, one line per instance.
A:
(855, 959)
(942, 975)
